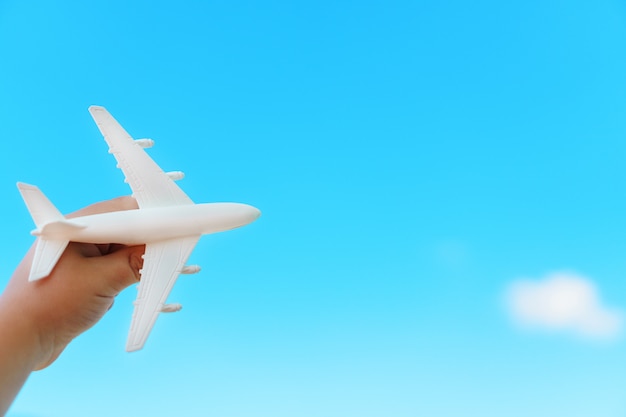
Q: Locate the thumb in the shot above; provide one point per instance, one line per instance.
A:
(120, 269)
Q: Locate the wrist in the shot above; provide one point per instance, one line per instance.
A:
(22, 337)
(21, 350)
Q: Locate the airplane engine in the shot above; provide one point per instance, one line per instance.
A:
(176, 175)
(145, 143)
(171, 308)
(190, 269)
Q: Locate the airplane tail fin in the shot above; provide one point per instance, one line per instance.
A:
(44, 213)
(40, 208)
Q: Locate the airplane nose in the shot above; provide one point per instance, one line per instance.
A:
(248, 214)
(252, 213)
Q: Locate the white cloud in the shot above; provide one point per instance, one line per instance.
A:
(563, 301)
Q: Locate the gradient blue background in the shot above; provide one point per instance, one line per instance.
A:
(411, 159)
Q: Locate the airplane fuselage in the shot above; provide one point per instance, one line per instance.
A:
(135, 227)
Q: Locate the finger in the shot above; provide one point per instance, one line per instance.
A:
(119, 269)
(104, 248)
(86, 250)
(115, 204)
(113, 247)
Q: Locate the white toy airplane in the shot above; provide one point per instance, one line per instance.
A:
(167, 222)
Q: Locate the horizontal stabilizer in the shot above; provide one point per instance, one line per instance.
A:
(58, 228)
(47, 253)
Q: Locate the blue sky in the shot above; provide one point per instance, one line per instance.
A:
(414, 161)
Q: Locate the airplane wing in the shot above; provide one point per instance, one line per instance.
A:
(163, 262)
(150, 185)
